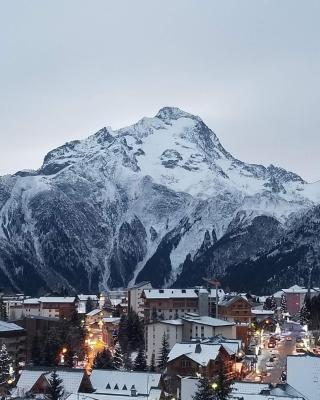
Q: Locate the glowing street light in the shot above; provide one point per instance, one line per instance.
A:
(214, 385)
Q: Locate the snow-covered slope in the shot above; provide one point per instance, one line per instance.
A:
(138, 203)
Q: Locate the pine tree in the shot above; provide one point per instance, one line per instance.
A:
(5, 364)
(140, 363)
(273, 303)
(222, 384)
(55, 390)
(118, 361)
(283, 304)
(305, 312)
(204, 390)
(152, 367)
(123, 333)
(52, 346)
(104, 360)
(267, 304)
(164, 352)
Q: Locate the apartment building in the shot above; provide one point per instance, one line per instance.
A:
(135, 299)
(14, 337)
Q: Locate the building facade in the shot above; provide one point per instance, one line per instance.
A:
(135, 299)
(237, 309)
(14, 337)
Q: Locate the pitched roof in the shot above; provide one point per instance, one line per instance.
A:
(71, 379)
(9, 327)
(105, 381)
(200, 353)
(94, 312)
(227, 302)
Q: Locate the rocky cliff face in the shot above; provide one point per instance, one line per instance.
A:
(160, 200)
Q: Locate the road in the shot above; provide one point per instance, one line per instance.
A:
(282, 350)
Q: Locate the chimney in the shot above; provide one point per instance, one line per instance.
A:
(133, 391)
(198, 348)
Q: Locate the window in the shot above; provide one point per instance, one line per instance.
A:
(185, 363)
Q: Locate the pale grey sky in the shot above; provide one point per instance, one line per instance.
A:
(250, 69)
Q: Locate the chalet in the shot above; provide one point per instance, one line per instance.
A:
(34, 381)
(237, 309)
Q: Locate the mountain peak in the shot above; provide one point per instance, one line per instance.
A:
(174, 113)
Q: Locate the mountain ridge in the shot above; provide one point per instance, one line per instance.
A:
(109, 208)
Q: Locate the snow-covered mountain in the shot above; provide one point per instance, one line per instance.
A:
(148, 201)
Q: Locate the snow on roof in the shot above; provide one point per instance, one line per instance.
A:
(154, 395)
(200, 353)
(31, 301)
(71, 379)
(210, 321)
(303, 374)
(112, 320)
(249, 387)
(49, 299)
(278, 294)
(27, 379)
(258, 311)
(106, 381)
(298, 289)
(170, 293)
(93, 312)
(189, 386)
(9, 327)
(85, 297)
(227, 302)
(172, 321)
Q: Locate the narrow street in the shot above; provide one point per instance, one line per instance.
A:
(272, 371)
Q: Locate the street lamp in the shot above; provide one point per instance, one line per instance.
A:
(214, 385)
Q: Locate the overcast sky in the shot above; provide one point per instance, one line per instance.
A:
(250, 69)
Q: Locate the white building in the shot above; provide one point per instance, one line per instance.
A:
(172, 328)
(135, 301)
(303, 374)
(195, 326)
(110, 385)
(192, 326)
